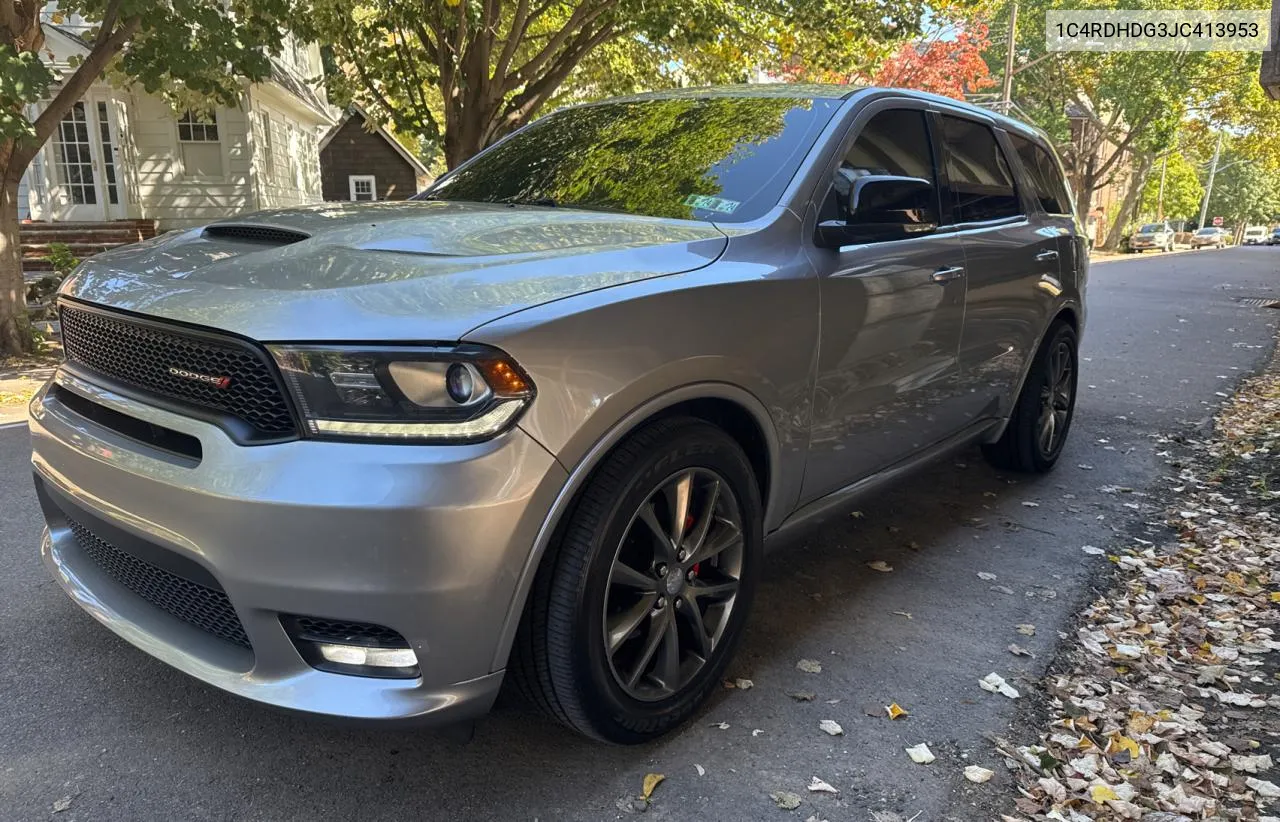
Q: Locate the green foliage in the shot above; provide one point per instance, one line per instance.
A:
(1182, 190)
(62, 259)
(40, 293)
(24, 79)
(1245, 192)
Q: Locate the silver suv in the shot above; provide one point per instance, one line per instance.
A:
(370, 460)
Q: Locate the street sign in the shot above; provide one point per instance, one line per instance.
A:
(1217, 221)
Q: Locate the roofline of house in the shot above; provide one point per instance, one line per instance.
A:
(381, 131)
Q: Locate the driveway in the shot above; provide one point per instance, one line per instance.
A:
(86, 717)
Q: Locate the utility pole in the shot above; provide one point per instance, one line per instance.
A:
(1208, 189)
(1164, 169)
(1006, 93)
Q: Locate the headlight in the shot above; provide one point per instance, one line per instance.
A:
(456, 394)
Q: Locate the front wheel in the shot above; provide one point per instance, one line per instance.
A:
(636, 614)
(1037, 429)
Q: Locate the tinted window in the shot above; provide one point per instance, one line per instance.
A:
(893, 142)
(1046, 181)
(721, 159)
(1151, 228)
(978, 172)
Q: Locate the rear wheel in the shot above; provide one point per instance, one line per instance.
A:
(634, 618)
(1037, 430)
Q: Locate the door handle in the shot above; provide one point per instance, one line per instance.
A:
(1046, 256)
(946, 275)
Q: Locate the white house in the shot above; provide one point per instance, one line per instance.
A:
(123, 154)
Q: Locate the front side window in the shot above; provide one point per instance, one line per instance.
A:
(1046, 181)
(894, 142)
(199, 145)
(718, 159)
(979, 174)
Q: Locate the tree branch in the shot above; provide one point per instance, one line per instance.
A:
(74, 87)
(583, 16)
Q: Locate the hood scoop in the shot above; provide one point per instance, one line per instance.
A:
(260, 234)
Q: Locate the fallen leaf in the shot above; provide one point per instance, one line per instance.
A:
(786, 800)
(651, 781)
(978, 774)
(1092, 550)
(756, 732)
(1102, 793)
(724, 726)
(995, 683)
(902, 614)
(60, 805)
(986, 575)
(1018, 650)
(818, 786)
(802, 696)
(701, 770)
(809, 666)
(1026, 629)
(1030, 504)
(744, 684)
(881, 566)
(1002, 589)
(920, 754)
(895, 710)
(831, 726)
(1263, 788)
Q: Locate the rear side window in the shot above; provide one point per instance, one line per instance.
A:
(894, 142)
(1042, 172)
(979, 173)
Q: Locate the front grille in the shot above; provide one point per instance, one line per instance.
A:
(315, 629)
(142, 355)
(206, 608)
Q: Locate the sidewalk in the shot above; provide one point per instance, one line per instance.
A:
(1099, 256)
(20, 378)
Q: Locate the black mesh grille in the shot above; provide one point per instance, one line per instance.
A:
(143, 355)
(346, 633)
(205, 608)
(256, 234)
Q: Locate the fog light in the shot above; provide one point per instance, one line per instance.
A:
(366, 656)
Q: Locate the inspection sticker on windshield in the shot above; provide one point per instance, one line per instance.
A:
(709, 203)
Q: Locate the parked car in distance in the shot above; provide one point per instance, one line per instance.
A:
(369, 460)
(1254, 235)
(1152, 235)
(1274, 239)
(1210, 236)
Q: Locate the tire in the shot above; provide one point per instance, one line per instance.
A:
(1020, 447)
(566, 661)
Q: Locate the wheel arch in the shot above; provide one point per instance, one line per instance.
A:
(735, 410)
(1068, 312)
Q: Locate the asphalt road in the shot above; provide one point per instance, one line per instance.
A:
(86, 717)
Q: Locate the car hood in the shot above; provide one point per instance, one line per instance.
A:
(424, 270)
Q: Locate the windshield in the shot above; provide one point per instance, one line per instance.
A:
(1151, 228)
(1205, 232)
(722, 159)
(1255, 231)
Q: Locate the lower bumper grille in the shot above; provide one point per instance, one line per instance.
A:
(206, 608)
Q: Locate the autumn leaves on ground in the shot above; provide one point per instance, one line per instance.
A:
(1166, 709)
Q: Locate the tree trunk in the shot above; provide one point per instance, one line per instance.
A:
(1131, 194)
(15, 327)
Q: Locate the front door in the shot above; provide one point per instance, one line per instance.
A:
(892, 314)
(85, 181)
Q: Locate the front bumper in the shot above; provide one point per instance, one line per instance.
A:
(428, 541)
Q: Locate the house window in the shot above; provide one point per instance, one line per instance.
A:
(198, 143)
(363, 187)
(268, 149)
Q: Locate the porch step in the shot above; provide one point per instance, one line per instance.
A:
(84, 239)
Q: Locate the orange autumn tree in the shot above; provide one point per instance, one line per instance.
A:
(950, 65)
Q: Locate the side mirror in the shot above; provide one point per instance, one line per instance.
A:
(882, 207)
